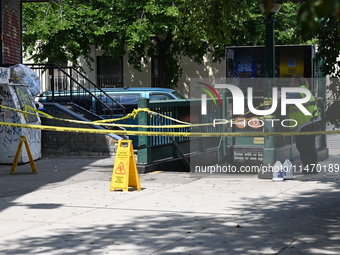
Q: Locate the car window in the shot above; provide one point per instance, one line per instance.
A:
(157, 97)
(122, 99)
(178, 95)
(129, 101)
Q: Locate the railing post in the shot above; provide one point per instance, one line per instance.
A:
(51, 70)
(269, 141)
(144, 156)
(224, 128)
(71, 85)
(322, 88)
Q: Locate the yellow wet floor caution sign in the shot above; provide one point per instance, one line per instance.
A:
(125, 174)
(23, 140)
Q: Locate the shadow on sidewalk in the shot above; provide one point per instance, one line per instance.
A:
(303, 223)
(51, 171)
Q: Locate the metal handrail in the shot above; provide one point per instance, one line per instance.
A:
(81, 89)
(96, 86)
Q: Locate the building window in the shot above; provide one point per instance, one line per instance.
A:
(109, 71)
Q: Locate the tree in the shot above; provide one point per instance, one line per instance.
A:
(56, 32)
(65, 30)
(321, 19)
(318, 20)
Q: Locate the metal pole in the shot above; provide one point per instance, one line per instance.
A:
(144, 156)
(269, 54)
(269, 141)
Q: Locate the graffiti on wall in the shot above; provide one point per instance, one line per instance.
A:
(10, 136)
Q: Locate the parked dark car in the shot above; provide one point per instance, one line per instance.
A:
(128, 97)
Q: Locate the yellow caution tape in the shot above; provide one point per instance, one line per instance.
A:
(102, 122)
(154, 133)
(147, 133)
(34, 110)
(134, 114)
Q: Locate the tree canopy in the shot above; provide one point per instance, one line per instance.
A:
(321, 19)
(65, 30)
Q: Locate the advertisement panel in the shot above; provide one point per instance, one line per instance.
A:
(248, 62)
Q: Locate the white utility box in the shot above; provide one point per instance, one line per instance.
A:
(17, 96)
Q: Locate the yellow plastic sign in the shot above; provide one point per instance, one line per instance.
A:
(125, 174)
(23, 140)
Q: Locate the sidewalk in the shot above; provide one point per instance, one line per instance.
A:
(68, 209)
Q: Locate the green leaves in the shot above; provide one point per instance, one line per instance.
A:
(319, 20)
(167, 29)
(54, 32)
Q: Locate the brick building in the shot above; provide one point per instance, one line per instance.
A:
(10, 31)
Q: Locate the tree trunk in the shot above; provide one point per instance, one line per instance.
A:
(163, 48)
(162, 76)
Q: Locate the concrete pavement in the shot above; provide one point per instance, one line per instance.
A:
(68, 209)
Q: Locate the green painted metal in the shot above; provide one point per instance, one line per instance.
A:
(321, 81)
(143, 141)
(269, 141)
(151, 149)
